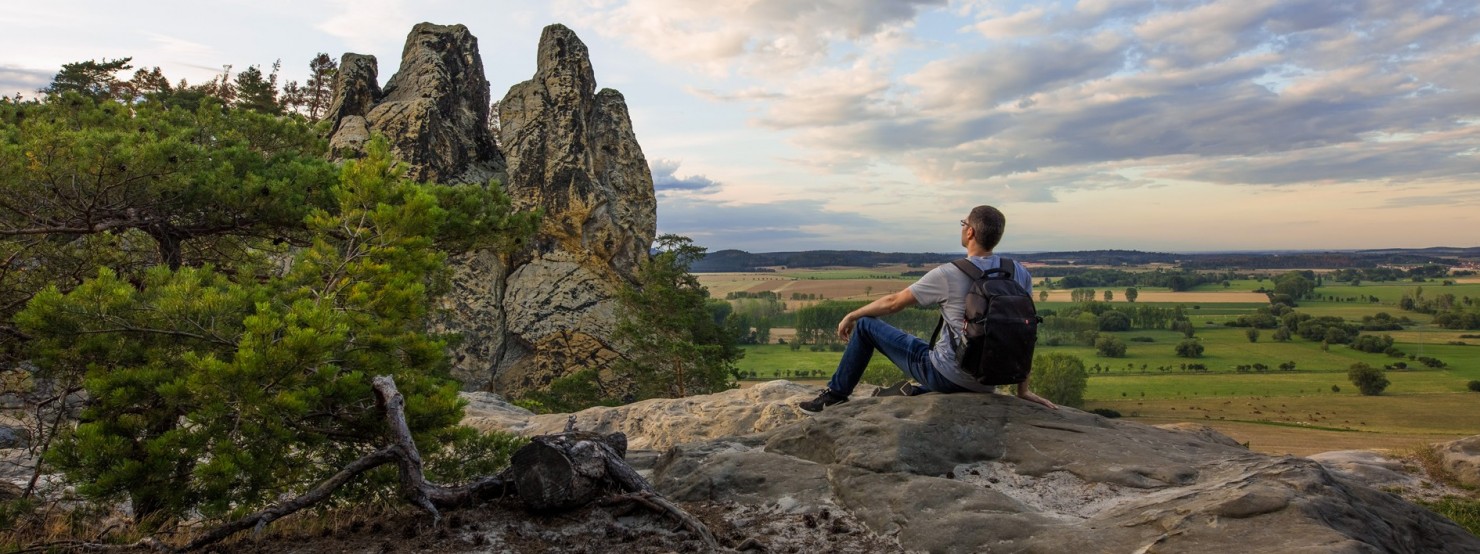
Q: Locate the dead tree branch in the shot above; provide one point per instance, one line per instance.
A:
(552, 473)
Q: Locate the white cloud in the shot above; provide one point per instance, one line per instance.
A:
(981, 80)
(666, 181)
(1236, 93)
(364, 24)
(757, 38)
(24, 80)
(176, 49)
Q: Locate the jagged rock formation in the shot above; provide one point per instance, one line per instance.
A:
(572, 152)
(1002, 475)
(547, 311)
(434, 110)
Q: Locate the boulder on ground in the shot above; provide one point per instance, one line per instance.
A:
(1462, 457)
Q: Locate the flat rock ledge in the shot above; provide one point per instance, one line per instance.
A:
(992, 473)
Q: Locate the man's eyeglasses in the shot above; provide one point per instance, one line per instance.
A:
(963, 223)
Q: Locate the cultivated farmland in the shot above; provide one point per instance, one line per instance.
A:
(1237, 386)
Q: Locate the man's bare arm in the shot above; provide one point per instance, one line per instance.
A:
(885, 305)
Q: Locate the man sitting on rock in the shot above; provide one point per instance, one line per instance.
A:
(934, 368)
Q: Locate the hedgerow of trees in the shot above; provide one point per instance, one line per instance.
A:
(1449, 312)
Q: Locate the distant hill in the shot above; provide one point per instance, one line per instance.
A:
(740, 260)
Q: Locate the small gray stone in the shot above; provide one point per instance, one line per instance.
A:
(14, 437)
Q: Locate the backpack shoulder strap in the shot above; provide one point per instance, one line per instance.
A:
(968, 268)
(1005, 266)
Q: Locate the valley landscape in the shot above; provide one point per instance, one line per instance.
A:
(1310, 408)
(423, 300)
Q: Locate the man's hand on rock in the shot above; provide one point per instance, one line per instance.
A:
(1028, 395)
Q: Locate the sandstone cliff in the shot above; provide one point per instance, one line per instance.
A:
(992, 473)
(434, 110)
(571, 152)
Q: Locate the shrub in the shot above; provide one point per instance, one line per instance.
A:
(1185, 327)
(1110, 346)
(1114, 321)
(568, 394)
(1141, 339)
(1373, 344)
(1060, 378)
(1105, 412)
(1431, 362)
(1474, 386)
(1335, 388)
(1369, 380)
(1190, 348)
(1282, 334)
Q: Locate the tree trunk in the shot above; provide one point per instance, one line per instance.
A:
(169, 244)
(569, 470)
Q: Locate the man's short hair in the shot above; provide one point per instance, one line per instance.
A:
(988, 222)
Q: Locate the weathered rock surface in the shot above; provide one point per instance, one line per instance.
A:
(571, 152)
(655, 424)
(991, 473)
(1463, 458)
(434, 110)
(547, 311)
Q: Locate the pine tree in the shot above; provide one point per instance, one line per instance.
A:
(220, 392)
(676, 345)
(257, 92)
(319, 88)
(93, 79)
(200, 184)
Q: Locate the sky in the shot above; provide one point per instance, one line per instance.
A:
(779, 125)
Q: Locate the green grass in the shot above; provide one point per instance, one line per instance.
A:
(1465, 512)
(1390, 292)
(1279, 383)
(778, 361)
(1296, 409)
(1235, 285)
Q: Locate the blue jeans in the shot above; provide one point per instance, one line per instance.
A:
(906, 351)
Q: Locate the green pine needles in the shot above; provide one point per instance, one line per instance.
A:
(219, 389)
(677, 342)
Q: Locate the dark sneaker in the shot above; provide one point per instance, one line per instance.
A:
(902, 388)
(827, 398)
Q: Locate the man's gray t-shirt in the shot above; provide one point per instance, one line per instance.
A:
(946, 286)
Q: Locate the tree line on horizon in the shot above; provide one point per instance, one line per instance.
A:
(742, 261)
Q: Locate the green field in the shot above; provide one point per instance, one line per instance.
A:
(1276, 411)
(1225, 349)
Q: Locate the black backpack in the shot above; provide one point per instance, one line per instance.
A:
(1001, 328)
